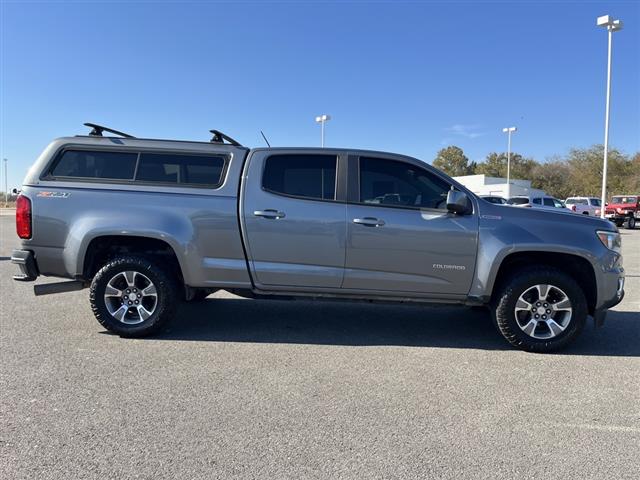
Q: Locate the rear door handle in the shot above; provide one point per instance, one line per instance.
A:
(369, 222)
(269, 213)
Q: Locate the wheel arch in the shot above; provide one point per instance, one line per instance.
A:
(579, 268)
(103, 247)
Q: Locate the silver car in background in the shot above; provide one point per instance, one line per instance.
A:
(546, 203)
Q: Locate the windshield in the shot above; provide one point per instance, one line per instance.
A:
(577, 201)
(518, 201)
(624, 200)
(595, 202)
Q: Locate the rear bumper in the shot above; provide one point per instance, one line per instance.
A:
(26, 262)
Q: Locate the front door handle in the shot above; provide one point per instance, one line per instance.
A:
(269, 213)
(369, 222)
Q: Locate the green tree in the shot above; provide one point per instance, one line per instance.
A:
(552, 178)
(585, 171)
(453, 162)
(632, 176)
(496, 166)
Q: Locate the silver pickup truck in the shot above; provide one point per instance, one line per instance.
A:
(147, 223)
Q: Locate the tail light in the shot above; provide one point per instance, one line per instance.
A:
(23, 217)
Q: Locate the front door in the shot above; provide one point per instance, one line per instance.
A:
(400, 237)
(294, 219)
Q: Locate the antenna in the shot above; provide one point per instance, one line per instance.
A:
(96, 131)
(265, 139)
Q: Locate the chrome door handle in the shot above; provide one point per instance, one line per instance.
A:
(269, 213)
(369, 222)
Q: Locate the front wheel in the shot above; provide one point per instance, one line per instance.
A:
(540, 309)
(133, 297)
(631, 223)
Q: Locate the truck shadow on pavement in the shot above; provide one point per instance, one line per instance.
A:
(361, 324)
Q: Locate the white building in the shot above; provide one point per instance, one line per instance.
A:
(483, 185)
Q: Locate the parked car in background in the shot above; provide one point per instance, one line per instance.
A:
(583, 205)
(494, 199)
(548, 203)
(623, 209)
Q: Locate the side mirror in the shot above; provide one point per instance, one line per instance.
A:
(458, 203)
(606, 204)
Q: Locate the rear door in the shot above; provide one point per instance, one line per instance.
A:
(400, 237)
(293, 212)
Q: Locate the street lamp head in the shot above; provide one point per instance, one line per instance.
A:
(607, 21)
(323, 118)
(509, 129)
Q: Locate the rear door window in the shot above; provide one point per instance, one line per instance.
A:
(96, 164)
(537, 201)
(548, 202)
(181, 169)
(301, 175)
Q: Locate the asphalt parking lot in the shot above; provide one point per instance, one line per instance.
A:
(252, 389)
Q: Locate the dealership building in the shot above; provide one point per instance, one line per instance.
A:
(484, 185)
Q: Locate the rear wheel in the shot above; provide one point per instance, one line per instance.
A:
(133, 297)
(540, 309)
(631, 223)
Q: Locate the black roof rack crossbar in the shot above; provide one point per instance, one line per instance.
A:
(98, 129)
(219, 137)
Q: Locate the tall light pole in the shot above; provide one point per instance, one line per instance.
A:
(612, 26)
(322, 119)
(509, 131)
(6, 183)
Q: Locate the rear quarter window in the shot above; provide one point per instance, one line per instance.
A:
(95, 164)
(181, 169)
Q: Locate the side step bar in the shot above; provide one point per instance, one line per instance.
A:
(59, 287)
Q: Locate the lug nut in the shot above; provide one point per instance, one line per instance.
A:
(546, 305)
(537, 316)
(548, 311)
(537, 303)
(130, 303)
(544, 317)
(137, 302)
(128, 291)
(139, 295)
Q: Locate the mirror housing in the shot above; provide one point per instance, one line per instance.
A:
(459, 203)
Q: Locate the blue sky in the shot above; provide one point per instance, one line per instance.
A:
(408, 77)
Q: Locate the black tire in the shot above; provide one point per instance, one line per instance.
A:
(517, 284)
(164, 306)
(631, 223)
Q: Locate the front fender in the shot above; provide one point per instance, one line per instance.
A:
(506, 234)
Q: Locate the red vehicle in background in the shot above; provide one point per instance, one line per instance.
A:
(623, 208)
